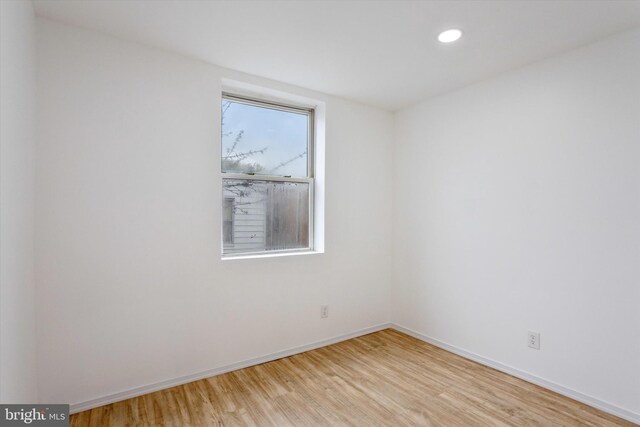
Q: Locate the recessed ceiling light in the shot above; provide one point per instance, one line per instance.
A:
(449, 35)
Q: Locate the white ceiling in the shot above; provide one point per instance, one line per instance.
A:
(381, 53)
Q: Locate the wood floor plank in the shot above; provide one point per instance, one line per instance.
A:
(381, 379)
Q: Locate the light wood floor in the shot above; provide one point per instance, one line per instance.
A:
(382, 379)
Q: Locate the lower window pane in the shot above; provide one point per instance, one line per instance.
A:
(267, 216)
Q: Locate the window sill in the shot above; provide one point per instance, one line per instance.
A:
(267, 255)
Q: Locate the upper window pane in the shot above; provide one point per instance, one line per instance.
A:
(264, 140)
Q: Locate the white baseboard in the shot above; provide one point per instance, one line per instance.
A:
(575, 395)
(150, 388)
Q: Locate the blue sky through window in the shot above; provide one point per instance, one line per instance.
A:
(278, 140)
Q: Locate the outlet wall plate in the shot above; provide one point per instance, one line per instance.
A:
(324, 311)
(533, 340)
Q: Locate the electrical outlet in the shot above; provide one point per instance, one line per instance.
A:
(534, 340)
(324, 311)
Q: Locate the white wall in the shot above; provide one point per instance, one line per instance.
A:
(17, 141)
(517, 207)
(131, 288)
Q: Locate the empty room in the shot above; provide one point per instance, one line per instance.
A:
(320, 213)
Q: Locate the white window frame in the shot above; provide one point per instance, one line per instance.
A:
(309, 179)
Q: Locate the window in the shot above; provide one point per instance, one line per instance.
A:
(267, 184)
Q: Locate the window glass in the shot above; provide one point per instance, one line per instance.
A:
(264, 141)
(268, 215)
(227, 220)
